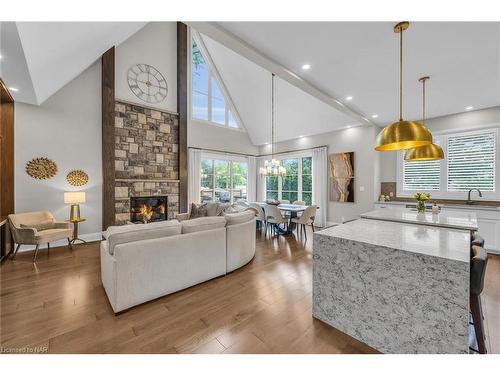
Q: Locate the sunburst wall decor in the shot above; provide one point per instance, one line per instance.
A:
(77, 177)
(41, 168)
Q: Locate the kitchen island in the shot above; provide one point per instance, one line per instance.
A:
(399, 288)
(446, 218)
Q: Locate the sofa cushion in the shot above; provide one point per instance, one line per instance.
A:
(139, 232)
(198, 210)
(50, 235)
(133, 227)
(42, 225)
(203, 223)
(239, 217)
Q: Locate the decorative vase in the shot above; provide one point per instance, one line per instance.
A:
(421, 207)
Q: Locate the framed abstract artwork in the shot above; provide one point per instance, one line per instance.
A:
(341, 173)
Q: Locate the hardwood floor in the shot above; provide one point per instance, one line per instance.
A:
(265, 307)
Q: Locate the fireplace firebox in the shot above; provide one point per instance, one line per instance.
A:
(148, 209)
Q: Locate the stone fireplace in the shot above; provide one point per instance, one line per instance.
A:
(148, 209)
(146, 159)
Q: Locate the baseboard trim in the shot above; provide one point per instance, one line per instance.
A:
(89, 237)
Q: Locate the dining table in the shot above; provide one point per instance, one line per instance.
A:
(294, 210)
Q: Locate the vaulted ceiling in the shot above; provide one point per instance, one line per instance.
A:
(360, 59)
(38, 58)
(249, 85)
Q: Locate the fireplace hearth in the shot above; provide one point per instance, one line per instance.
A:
(148, 209)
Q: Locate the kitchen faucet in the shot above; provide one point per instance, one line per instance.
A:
(468, 196)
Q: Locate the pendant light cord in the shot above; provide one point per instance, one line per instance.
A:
(401, 75)
(423, 102)
(272, 117)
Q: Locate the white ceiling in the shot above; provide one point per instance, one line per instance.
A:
(54, 53)
(361, 60)
(249, 85)
(14, 70)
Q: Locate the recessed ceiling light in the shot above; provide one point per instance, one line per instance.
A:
(301, 136)
(266, 143)
(374, 116)
(306, 66)
(13, 89)
(469, 108)
(348, 98)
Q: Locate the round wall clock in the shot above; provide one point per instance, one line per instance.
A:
(147, 83)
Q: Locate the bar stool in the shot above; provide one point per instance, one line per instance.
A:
(478, 264)
(477, 240)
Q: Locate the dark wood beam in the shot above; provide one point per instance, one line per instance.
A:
(6, 151)
(182, 103)
(108, 137)
(6, 167)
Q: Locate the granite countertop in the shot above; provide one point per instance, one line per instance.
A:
(446, 218)
(472, 207)
(452, 244)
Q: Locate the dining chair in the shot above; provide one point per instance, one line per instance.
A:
(274, 217)
(477, 240)
(306, 218)
(299, 203)
(261, 216)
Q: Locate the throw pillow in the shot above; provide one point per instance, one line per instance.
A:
(198, 211)
(43, 225)
(221, 208)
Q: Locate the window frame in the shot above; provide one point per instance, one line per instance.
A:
(225, 158)
(213, 73)
(300, 191)
(443, 192)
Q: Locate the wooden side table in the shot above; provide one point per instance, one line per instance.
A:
(75, 231)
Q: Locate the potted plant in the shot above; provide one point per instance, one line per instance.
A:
(421, 199)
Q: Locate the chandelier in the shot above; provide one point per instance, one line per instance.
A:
(402, 135)
(272, 167)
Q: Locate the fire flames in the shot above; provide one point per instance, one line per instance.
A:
(147, 212)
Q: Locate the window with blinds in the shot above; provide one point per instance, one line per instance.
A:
(471, 162)
(421, 175)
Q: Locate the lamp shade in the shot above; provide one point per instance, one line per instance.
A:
(429, 152)
(403, 135)
(74, 197)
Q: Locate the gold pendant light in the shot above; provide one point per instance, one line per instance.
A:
(429, 152)
(402, 134)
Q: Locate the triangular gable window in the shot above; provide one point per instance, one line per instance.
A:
(209, 100)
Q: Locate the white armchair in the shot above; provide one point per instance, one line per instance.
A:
(35, 228)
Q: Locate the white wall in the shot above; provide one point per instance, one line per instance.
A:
(473, 120)
(212, 137)
(156, 45)
(67, 129)
(387, 165)
(357, 139)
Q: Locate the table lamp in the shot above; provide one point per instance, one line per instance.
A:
(74, 198)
